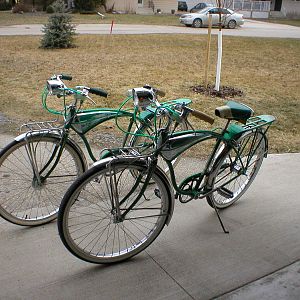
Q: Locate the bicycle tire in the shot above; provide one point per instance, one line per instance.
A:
(252, 149)
(22, 200)
(86, 221)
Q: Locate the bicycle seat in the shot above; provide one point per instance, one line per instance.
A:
(234, 111)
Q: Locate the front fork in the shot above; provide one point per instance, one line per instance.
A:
(117, 211)
(38, 178)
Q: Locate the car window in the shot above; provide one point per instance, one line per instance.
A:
(225, 11)
(204, 10)
(214, 11)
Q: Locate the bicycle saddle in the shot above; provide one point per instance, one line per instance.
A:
(234, 111)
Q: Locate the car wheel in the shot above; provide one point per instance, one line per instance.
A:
(197, 23)
(231, 24)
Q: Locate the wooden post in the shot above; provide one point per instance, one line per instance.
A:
(112, 26)
(208, 50)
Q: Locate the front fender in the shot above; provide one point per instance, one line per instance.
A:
(56, 135)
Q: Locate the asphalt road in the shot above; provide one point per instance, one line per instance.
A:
(191, 259)
(251, 28)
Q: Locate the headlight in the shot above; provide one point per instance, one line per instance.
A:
(55, 87)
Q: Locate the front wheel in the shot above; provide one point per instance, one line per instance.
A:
(234, 172)
(197, 23)
(89, 221)
(231, 24)
(26, 199)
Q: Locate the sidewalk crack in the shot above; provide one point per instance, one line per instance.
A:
(177, 283)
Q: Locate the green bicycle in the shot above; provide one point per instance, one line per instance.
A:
(38, 166)
(119, 206)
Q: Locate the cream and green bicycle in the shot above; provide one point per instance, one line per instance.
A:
(119, 206)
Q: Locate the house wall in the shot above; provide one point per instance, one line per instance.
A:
(128, 6)
(290, 7)
(165, 6)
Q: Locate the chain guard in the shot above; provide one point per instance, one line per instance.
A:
(189, 185)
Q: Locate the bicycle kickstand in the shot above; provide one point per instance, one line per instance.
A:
(219, 218)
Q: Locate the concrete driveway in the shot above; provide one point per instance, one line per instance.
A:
(251, 28)
(191, 259)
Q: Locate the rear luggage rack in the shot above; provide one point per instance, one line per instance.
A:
(258, 121)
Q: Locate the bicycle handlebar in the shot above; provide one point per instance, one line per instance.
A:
(97, 91)
(202, 116)
(56, 86)
(65, 77)
(196, 113)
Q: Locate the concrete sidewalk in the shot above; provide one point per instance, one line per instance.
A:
(191, 259)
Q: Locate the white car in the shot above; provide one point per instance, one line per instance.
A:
(198, 19)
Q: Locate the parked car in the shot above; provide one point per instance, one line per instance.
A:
(200, 6)
(230, 19)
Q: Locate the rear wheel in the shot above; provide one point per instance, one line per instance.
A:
(89, 224)
(197, 23)
(233, 174)
(23, 199)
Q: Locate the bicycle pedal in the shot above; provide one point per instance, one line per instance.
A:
(185, 198)
(225, 192)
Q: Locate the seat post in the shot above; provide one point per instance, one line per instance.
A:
(226, 126)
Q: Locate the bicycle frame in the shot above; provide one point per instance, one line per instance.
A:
(179, 142)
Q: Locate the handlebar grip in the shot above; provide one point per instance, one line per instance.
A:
(204, 117)
(98, 92)
(66, 77)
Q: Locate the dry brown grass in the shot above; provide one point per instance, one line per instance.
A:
(267, 70)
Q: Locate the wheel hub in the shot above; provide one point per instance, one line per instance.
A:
(115, 217)
(36, 184)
